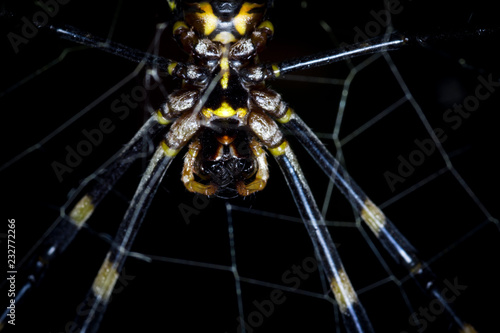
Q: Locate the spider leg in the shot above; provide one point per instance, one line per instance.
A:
(376, 45)
(166, 66)
(353, 313)
(98, 297)
(67, 226)
(265, 71)
(387, 42)
(262, 72)
(181, 132)
(386, 232)
(188, 172)
(260, 181)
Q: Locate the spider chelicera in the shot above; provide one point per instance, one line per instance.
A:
(228, 118)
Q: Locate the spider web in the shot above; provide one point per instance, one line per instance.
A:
(198, 263)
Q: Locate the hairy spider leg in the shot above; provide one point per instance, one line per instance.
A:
(66, 227)
(180, 133)
(352, 311)
(98, 296)
(385, 231)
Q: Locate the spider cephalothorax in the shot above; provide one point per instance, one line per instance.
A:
(223, 37)
(224, 21)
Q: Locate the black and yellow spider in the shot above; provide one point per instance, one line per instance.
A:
(227, 117)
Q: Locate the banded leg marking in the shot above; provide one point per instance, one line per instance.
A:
(343, 291)
(353, 313)
(98, 297)
(82, 211)
(36, 263)
(386, 232)
(105, 280)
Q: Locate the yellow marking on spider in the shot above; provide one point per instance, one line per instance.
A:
(286, 118)
(467, 328)
(276, 70)
(224, 111)
(416, 269)
(169, 151)
(343, 291)
(209, 19)
(171, 68)
(224, 82)
(161, 119)
(266, 24)
(179, 24)
(105, 280)
(224, 65)
(172, 5)
(225, 37)
(280, 150)
(373, 216)
(244, 16)
(82, 211)
(258, 150)
(193, 152)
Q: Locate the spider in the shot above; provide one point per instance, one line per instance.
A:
(245, 147)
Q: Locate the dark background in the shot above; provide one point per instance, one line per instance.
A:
(431, 207)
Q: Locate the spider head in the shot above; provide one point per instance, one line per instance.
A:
(225, 21)
(225, 161)
(227, 173)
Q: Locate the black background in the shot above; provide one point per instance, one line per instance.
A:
(439, 217)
